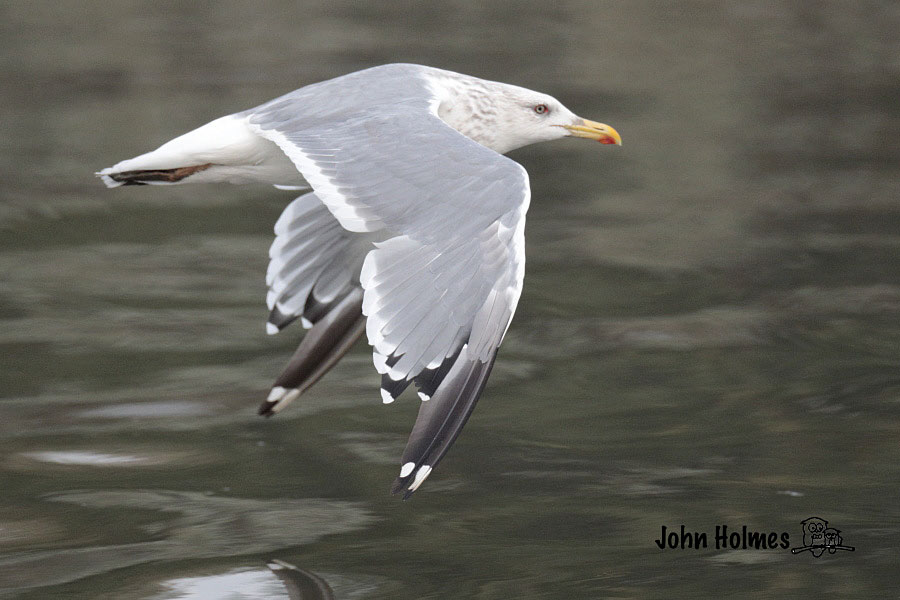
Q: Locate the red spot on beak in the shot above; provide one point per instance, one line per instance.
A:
(607, 140)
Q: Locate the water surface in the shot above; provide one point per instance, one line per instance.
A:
(708, 334)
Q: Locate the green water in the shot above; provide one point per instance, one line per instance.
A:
(708, 333)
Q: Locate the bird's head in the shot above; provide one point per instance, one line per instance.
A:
(527, 117)
(504, 117)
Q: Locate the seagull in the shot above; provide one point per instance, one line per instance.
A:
(412, 229)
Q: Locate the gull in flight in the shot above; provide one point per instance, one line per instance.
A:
(412, 228)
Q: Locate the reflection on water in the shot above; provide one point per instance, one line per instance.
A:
(245, 584)
(205, 525)
(85, 458)
(300, 583)
(281, 580)
(708, 332)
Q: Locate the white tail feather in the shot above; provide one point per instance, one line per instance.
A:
(233, 153)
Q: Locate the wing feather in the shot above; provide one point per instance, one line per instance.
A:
(441, 419)
(442, 286)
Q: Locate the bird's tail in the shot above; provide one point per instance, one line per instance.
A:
(222, 150)
(149, 176)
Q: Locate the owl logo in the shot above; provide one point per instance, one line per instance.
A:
(819, 537)
(814, 534)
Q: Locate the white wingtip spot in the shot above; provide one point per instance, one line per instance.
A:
(291, 395)
(271, 329)
(386, 397)
(307, 324)
(424, 397)
(276, 394)
(282, 397)
(407, 469)
(421, 475)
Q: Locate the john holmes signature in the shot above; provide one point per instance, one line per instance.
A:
(817, 538)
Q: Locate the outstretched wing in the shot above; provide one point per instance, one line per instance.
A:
(441, 289)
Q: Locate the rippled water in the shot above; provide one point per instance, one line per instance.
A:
(708, 334)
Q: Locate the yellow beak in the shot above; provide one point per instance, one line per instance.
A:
(593, 130)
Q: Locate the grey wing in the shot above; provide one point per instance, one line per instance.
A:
(441, 290)
(310, 262)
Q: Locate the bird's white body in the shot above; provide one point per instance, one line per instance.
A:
(476, 108)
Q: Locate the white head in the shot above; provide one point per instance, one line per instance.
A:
(505, 117)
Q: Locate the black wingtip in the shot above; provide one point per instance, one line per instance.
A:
(398, 484)
(279, 320)
(265, 409)
(442, 418)
(393, 388)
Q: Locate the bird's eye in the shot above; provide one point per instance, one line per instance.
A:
(541, 109)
